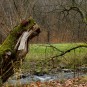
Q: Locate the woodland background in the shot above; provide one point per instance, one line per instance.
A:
(60, 20)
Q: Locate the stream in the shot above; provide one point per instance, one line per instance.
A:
(27, 78)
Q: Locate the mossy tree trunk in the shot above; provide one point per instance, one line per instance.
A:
(9, 53)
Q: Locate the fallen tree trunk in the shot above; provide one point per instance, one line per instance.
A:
(15, 47)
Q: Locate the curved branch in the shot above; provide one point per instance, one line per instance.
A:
(69, 50)
(55, 48)
(75, 9)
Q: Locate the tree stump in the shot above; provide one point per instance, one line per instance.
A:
(15, 47)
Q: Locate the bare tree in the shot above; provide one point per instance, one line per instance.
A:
(60, 20)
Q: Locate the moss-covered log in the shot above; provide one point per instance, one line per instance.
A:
(9, 53)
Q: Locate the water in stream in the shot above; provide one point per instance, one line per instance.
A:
(27, 78)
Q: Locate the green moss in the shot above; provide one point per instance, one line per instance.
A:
(12, 38)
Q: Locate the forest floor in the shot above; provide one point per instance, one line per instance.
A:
(74, 82)
(39, 58)
(39, 61)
